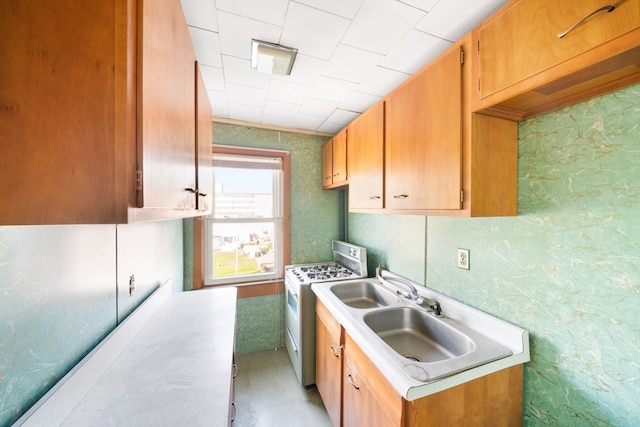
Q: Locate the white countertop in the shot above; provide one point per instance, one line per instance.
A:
(513, 337)
(168, 364)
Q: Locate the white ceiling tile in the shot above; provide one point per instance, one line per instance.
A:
(332, 89)
(344, 8)
(246, 95)
(307, 121)
(329, 127)
(318, 107)
(280, 109)
(247, 113)
(351, 64)
(425, 5)
(306, 70)
(218, 102)
(236, 33)
(239, 71)
(313, 32)
(414, 51)
(380, 24)
(206, 46)
(359, 102)
(271, 11)
(284, 91)
(342, 116)
(200, 14)
(213, 77)
(452, 19)
(381, 81)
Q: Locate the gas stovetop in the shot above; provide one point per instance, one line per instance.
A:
(349, 262)
(320, 272)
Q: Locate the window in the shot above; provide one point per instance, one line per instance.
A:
(246, 235)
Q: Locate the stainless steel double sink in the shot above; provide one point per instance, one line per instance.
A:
(427, 347)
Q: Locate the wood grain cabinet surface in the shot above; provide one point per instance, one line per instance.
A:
(97, 126)
(366, 159)
(335, 173)
(423, 138)
(538, 55)
(329, 357)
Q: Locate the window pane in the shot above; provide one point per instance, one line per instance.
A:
(245, 229)
(243, 193)
(241, 249)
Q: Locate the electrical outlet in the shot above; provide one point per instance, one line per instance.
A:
(463, 258)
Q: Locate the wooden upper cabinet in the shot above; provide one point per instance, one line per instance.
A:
(423, 138)
(204, 144)
(524, 65)
(334, 161)
(166, 107)
(366, 159)
(327, 164)
(98, 112)
(339, 161)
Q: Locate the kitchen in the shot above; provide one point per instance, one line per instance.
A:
(565, 268)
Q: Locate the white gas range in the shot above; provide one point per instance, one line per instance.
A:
(349, 262)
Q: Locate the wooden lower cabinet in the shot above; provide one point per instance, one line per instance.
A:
(329, 345)
(356, 394)
(368, 399)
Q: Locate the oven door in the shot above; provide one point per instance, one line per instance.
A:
(292, 326)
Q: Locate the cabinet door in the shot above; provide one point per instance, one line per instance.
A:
(524, 40)
(329, 370)
(366, 159)
(339, 161)
(423, 138)
(166, 131)
(327, 164)
(204, 142)
(360, 406)
(57, 120)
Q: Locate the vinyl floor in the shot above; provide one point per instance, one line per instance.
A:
(268, 394)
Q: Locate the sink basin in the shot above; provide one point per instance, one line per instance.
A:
(363, 295)
(417, 335)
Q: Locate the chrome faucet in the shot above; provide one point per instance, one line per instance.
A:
(433, 306)
(429, 304)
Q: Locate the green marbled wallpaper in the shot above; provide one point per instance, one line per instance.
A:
(567, 268)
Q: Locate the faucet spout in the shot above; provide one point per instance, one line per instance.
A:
(428, 304)
(412, 294)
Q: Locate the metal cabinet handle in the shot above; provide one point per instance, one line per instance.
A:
(350, 379)
(608, 8)
(400, 196)
(374, 197)
(195, 191)
(335, 351)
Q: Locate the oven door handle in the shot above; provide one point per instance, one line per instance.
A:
(294, 347)
(291, 290)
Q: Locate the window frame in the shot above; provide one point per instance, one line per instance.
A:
(285, 157)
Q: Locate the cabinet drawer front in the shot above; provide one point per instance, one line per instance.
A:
(524, 40)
